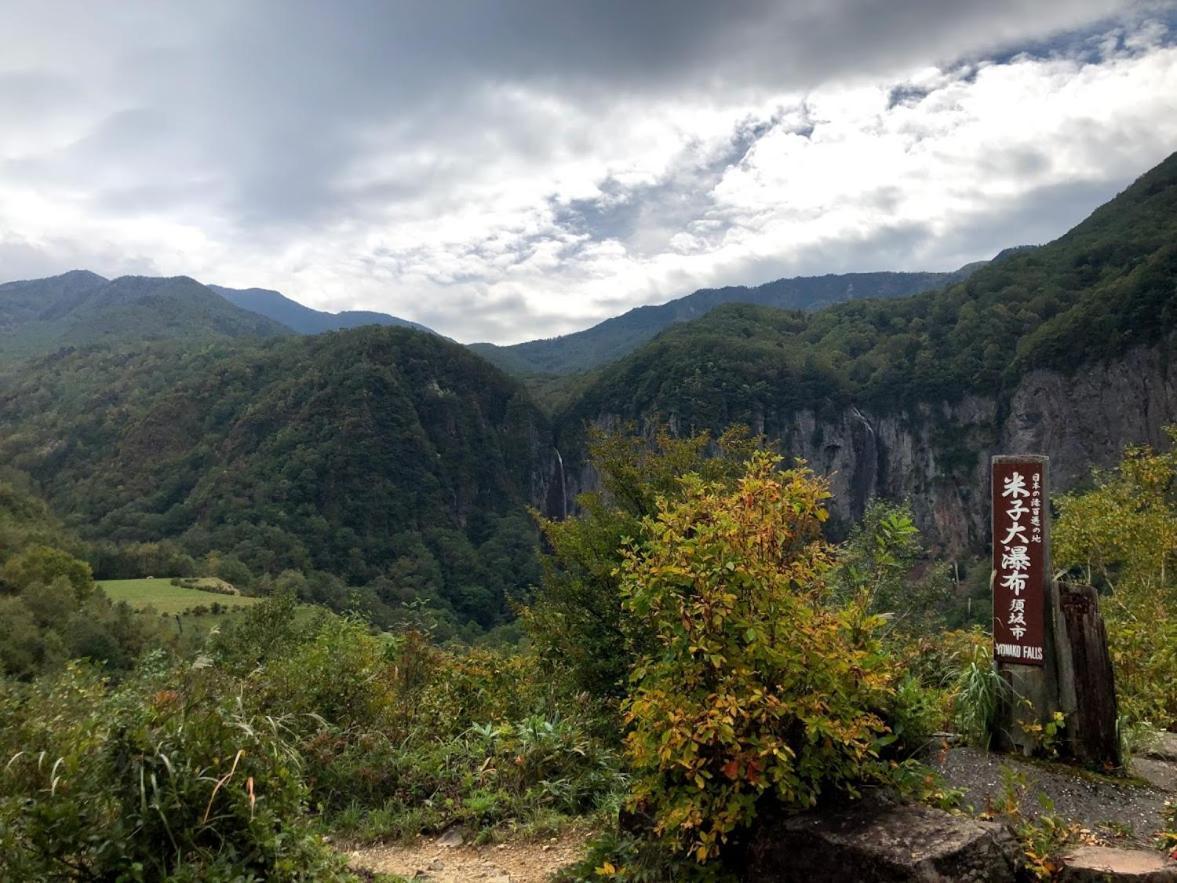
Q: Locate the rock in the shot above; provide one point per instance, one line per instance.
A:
(1103, 864)
(1161, 746)
(874, 843)
(452, 837)
(1161, 774)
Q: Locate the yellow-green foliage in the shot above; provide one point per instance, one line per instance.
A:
(755, 685)
(42, 565)
(576, 622)
(1122, 536)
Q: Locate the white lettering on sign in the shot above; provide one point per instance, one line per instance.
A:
(1014, 561)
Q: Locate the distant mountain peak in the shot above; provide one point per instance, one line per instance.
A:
(81, 308)
(303, 319)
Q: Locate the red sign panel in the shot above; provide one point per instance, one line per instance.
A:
(1020, 537)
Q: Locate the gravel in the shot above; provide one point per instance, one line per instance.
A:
(1121, 809)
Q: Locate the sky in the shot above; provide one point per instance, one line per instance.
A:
(507, 170)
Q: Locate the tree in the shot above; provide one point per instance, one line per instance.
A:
(44, 565)
(877, 564)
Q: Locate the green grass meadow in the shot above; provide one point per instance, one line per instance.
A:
(161, 595)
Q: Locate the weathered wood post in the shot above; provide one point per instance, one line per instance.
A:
(1089, 688)
(1049, 642)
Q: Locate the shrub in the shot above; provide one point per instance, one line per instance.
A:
(576, 624)
(1122, 537)
(756, 686)
(168, 776)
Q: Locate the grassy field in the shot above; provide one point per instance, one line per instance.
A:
(160, 594)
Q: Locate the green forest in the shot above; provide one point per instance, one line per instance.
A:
(382, 465)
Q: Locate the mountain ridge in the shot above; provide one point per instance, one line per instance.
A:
(307, 320)
(81, 308)
(615, 337)
(907, 397)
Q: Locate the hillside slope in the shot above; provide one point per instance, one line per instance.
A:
(374, 453)
(614, 338)
(80, 308)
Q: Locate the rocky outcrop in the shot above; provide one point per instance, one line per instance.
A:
(882, 844)
(936, 454)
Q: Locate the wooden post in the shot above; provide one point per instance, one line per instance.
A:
(1092, 735)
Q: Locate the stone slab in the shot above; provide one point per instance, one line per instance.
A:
(1161, 774)
(1104, 864)
(872, 843)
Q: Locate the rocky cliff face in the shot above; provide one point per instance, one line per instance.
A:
(936, 455)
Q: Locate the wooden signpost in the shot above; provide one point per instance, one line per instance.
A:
(1021, 559)
(1049, 643)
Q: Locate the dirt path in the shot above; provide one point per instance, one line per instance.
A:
(532, 861)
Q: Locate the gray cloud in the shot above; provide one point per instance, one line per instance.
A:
(500, 170)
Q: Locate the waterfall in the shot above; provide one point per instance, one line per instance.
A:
(864, 480)
(563, 486)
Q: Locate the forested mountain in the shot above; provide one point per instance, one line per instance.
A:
(275, 305)
(402, 462)
(382, 455)
(1063, 348)
(80, 308)
(1106, 285)
(614, 338)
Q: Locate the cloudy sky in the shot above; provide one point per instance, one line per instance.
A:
(508, 170)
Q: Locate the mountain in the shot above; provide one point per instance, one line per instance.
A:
(614, 338)
(1064, 349)
(404, 463)
(304, 320)
(80, 308)
(378, 454)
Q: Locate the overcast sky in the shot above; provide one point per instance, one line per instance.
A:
(508, 170)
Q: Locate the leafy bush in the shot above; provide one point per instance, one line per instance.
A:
(755, 686)
(168, 776)
(576, 623)
(398, 736)
(1121, 536)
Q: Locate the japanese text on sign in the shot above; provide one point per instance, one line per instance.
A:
(1019, 559)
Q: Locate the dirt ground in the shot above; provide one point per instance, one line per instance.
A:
(1126, 811)
(1123, 811)
(427, 859)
